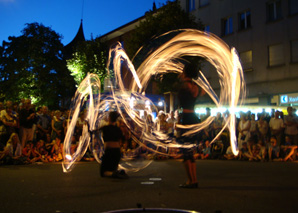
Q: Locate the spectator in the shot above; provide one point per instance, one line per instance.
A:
(229, 154)
(171, 123)
(206, 151)
(3, 110)
(262, 149)
(276, 125)
(27, 120)
(57, 150)
(57, 126)
(161, 123)
(217, 149)
(262, 128)
(217, 124)
(253, 128)
(255, 153)
(12, 153)
(208, 131)
(243, 128)
(244, 153)
(43, 124)
(10, 122)
(149, 124)
(288, 150)
(48, 142)
(199, 150)
(250, 146)
(291, 126)
(41, 151)
(274, 150)
(29, 153)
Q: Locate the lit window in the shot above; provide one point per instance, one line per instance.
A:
(274, 10)
(294, 51)
(191, 5)
(276, 55)
(244, 20)
(293, 6)
(246, 60)
(203, 3)
(227, 26)
(207, 29)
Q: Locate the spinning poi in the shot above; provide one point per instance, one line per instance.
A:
(187, 42)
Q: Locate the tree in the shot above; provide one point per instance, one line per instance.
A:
(32, 66)
(157, 22)
(90, 57)
(167, 18)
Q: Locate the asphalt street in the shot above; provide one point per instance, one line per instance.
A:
(224, 186)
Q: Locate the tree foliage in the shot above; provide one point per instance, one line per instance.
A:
(167, 18)
(32, 66)
(90, 57)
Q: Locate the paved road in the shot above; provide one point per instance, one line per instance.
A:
(225, 186)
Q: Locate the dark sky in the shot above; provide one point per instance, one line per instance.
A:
(64, 16)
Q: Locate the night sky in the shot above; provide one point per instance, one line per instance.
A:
(64, 16)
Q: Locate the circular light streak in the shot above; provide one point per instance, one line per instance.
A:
(163, 60)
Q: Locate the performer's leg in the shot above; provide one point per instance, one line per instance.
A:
(193, 172)
(187, 164)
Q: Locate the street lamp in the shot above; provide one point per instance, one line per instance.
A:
(161, 103)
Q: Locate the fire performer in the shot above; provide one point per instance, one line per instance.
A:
(112, 136)
(187, 95)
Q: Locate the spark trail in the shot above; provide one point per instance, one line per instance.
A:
(163, 60)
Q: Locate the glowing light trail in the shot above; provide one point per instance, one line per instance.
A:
(163, 60)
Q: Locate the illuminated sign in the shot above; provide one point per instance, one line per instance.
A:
(284, 99)
(289, 98)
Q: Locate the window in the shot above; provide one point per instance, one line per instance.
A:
(191, 5)
(203, 3)
(293, 7)
(227, 26)
(244, 20)
(276, 55)
(294, 51)
(274, 10)
(246, 60)
(207, 29)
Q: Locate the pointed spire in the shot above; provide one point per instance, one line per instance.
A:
(70, 48)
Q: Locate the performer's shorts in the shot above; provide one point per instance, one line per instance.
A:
(188, 154)
(188, 118)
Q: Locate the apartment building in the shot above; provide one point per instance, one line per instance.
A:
(265, 34)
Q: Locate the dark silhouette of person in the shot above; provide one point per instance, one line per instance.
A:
(112, 136)
(187, 96)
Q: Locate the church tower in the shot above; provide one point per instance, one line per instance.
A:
(70, 48)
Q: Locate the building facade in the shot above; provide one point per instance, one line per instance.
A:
(265, 34)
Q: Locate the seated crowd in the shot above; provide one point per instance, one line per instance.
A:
(29, 135)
